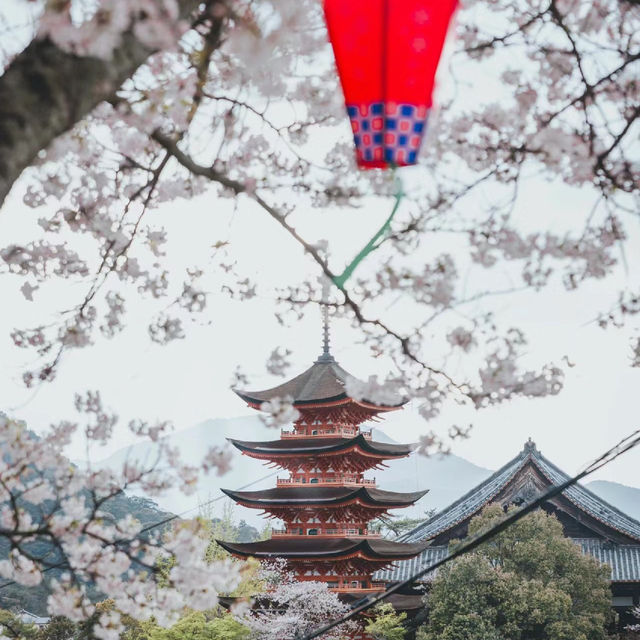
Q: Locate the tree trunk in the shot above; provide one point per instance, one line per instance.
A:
(45, 91)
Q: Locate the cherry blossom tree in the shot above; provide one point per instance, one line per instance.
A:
(636, 614)
(234, 96)
(55, 528)
(288, 609)
(108, 114)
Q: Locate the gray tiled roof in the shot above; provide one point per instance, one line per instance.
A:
(317, 546)
(406, 568)
(473, 501)
(587, 501)
(324, 381)
(623, 559)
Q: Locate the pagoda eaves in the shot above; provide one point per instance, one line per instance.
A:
(356, 454)
(385, 551)
(311, 495)
(321, 386)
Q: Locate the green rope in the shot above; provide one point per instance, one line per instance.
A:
(373, 244)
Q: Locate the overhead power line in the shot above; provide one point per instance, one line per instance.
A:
(470, 544)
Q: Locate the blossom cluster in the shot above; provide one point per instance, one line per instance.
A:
(235, 103)
(80, 545)
(156, 23)
(289, 608)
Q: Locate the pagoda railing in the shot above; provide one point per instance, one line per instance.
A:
(327, 533)
(375, 588)
(368, 482)
(346, 589)
(326, 431)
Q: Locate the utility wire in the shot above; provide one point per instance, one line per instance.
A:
(626, 444)
(202, 504)
(160, 523)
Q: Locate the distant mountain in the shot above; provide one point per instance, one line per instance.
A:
(193, 444)
(446, 477)
(625, 498)
(16, 597)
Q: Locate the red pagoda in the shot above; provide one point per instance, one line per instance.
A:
(326, 502)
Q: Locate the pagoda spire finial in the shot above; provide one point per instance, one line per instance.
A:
(325, 356)
(325, 331)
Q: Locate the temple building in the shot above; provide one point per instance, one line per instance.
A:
(325, 502)
(597, 527)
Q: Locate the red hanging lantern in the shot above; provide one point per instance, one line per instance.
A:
(387, 53)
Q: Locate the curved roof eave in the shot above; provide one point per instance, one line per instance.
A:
(317, 546)
(324, 496)
(322, 445)
(323, 382)
(482, 494)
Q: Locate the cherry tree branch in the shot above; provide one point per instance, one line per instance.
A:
(238, 187)
(45, 91)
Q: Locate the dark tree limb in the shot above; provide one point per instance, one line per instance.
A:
(45, 91)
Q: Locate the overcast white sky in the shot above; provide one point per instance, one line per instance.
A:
(188, 381)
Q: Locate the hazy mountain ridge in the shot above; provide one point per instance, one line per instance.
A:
(625, 498)
(446, 477)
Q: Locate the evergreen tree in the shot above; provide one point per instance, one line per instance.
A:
(386, 623)
(527, 583)
(196, 626)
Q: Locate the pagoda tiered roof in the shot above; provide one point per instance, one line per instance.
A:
(357, 454)
(315, 547)
(323, 384)
(321, 446)
(326, 503)
(330, 496)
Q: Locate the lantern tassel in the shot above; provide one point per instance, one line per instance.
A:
(375, 241)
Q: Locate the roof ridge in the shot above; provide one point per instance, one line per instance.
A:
(628, 525)
(520, 459)
(580, 487)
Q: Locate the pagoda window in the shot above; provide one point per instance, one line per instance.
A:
(313, 481)
(312, 532)
(333, 585)
(622, 601)
(314, 432)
